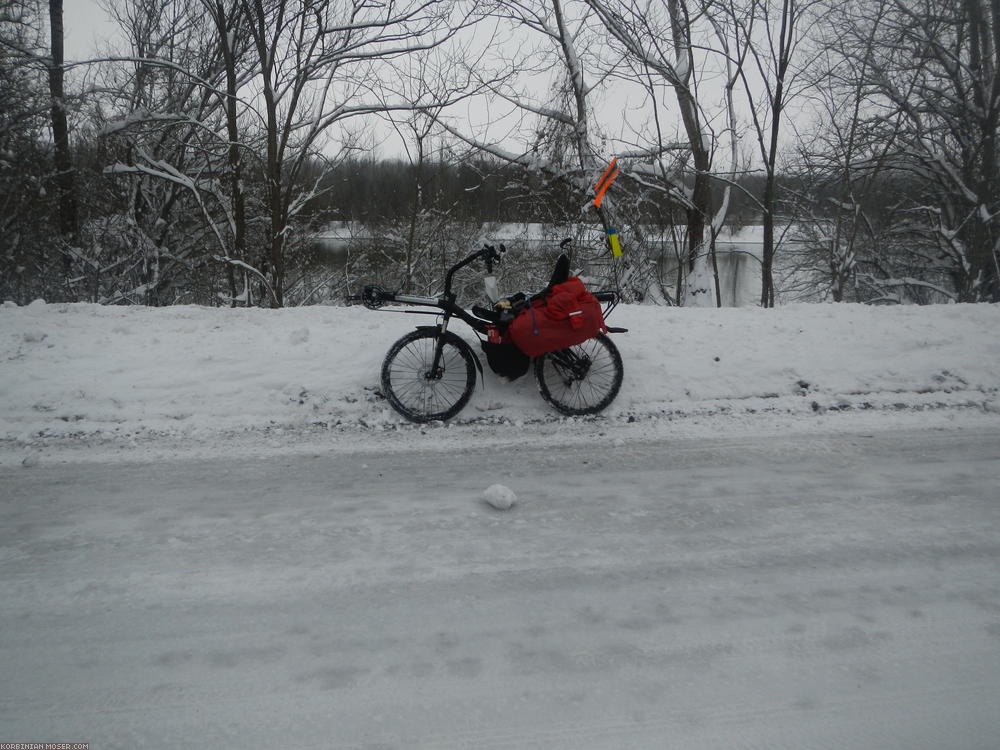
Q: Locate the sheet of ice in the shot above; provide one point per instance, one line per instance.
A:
(830, 592)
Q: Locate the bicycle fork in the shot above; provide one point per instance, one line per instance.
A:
(436, 371)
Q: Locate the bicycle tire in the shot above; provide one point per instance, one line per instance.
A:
(405, 381)
(583, 379)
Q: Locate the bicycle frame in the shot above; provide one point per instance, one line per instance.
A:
(449, 308)
(375, 297)
(422, 386)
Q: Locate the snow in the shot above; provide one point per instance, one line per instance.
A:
(823, 592)
(213, 530)
(216, 378)
(500, 496)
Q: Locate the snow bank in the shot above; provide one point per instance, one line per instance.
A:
(77, 370)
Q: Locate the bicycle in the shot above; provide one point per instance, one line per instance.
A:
(430, 374)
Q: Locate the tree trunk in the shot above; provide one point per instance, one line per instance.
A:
(789, 15)
(984, 37)
(418, 194)
(701, 193)
(225, 25)
(767, 252)
(64, 182)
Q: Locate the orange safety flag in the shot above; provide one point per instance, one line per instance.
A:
(605, 182)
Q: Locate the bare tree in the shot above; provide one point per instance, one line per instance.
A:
(424, 84)
(774, 34)
(933, 79)
(562, 146)
(64, 181)
(230, 26)
(842, 158)
(660, 42)
(253, 95)
(29, 264)
(312, 58)
(167, 125)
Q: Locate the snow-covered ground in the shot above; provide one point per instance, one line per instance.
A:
(201, 380)
(783, 534)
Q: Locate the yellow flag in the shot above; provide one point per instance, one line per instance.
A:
(616, 246)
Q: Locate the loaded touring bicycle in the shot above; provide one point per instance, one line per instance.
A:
(430, 373)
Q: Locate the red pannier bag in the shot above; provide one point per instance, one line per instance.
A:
(568, 315)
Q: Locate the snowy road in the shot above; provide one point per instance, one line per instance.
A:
(824, 591)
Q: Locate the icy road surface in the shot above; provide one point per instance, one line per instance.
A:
(807, 592)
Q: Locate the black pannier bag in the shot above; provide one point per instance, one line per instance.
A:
(506, 360)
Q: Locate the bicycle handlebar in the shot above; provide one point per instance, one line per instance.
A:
(373, 296)
(488, 253)
(491, 255)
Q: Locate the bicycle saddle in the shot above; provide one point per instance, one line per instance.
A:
(561, 272)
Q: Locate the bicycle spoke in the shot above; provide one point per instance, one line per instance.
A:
(582, 379)
(419, 390)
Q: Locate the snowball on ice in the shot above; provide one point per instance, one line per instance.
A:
(499, 496)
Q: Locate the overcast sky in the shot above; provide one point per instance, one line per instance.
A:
(85, 23)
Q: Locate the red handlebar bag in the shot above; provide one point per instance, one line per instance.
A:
(568, 315)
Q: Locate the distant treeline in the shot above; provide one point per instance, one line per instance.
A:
(373, 191)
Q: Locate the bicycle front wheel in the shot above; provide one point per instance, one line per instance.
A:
(582, 379)
(418, 390)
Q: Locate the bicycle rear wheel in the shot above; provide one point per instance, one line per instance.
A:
(420, 393)
(582, 379)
